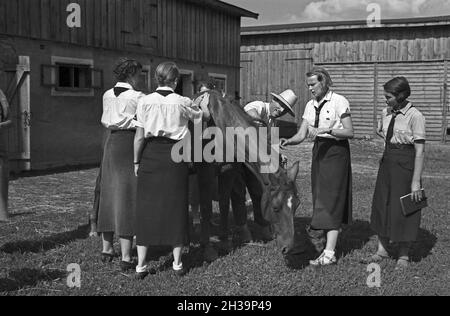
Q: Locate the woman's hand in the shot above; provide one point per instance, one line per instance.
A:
(314, 132)
(416, 191)
(284, 143)
(136, 169)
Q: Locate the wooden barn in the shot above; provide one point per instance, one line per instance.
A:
(360, 59)
(57, 57)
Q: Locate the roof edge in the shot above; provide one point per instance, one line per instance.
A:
(342, 25)
(235, 10)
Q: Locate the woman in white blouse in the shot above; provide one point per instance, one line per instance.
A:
(162, 217)
(118, 183)
(327, 120)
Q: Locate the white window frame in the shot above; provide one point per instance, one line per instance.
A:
(220, 76)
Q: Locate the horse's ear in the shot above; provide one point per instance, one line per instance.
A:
(293, 171)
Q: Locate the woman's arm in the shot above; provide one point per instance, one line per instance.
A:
(416, 184)
(138, 147)
(346, 133)
(298, 138)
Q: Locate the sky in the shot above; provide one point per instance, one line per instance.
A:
(302, 11)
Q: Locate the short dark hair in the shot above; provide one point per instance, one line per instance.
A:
(126, 68)
(399, 87)
(167, 73)
(322, 75)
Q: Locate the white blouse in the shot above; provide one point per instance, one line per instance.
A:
(335, 108)
(119, 111)
(168, 116)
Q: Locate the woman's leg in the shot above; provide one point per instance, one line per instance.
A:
(332, 237)
(108, 247)
(142, 256)
(126, 243)
(177, 256)
(403, 255)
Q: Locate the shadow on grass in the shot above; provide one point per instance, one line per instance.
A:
(19, 279)
(46, 243)
(51, 171)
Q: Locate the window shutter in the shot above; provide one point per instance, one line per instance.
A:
(49, 75)
(97, 78)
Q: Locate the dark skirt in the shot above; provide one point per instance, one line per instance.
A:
(118, 185)
(394, 181)
(162, 213)
(331, 181)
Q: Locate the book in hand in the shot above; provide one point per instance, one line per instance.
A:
(410, 207)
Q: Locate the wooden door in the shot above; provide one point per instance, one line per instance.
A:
(15, 82)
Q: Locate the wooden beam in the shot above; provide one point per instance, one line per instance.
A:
(445, 105)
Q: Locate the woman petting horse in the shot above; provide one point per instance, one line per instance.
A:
(327, 120)
(117, 200)
(162, 216)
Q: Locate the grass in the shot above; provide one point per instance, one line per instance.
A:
(47, 232)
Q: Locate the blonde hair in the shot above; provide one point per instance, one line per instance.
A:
(166, 74)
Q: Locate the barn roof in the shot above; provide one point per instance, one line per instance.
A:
(343, 25)
(226, 7)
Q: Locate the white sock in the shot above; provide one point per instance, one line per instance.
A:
(178, 267)
(141, 269)
(329, 253)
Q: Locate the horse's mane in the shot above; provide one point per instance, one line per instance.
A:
(226, 113)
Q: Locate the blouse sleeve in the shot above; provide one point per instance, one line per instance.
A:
(192, 111)
(140, 113)
(418, 127)
(343, 108)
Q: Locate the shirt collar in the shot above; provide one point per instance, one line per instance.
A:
(165, 89)
(327, 98)
(406, 108)
(403, 111)
(124, 85)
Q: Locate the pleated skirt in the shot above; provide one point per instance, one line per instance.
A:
(162, 213)
(331, 180)
(118, 185)
(394, 181)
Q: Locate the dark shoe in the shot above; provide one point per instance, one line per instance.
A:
(127, 266)
(180, 273)
(107, 257)
(144, 272)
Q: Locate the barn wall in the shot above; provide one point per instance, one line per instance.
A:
(66, 130)
(419, 53)
(171, 28)
(362, 84)
(361, 45)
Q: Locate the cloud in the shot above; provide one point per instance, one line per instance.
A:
(332, 10)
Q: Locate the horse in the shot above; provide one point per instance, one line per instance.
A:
(280, 193)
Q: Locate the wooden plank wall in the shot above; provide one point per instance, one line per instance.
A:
(356, 83)
(363, 45)
(264, 72)
(175, 29)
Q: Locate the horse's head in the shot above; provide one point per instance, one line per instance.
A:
(279, 203)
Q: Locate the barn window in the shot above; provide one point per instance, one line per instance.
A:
(74, 77)
(71, 77)
(220, 81)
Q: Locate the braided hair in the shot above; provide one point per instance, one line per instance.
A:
(126, 68)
